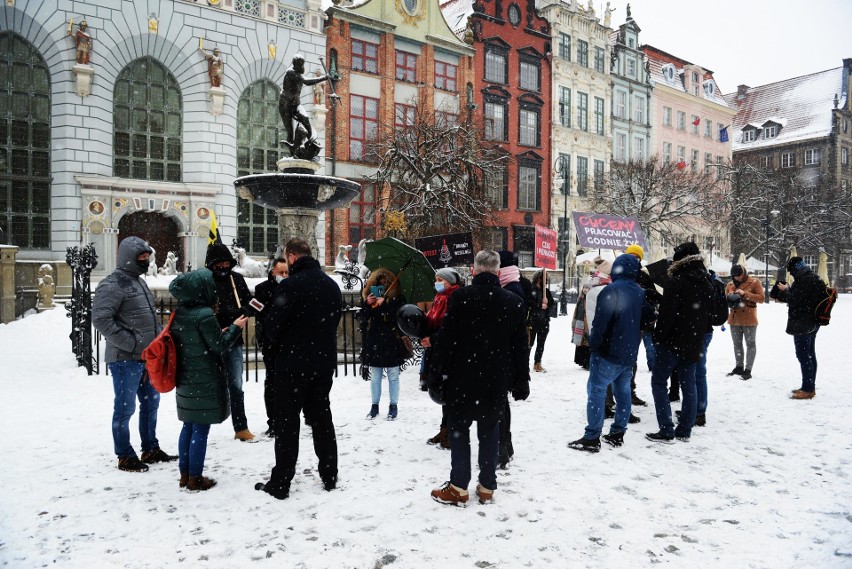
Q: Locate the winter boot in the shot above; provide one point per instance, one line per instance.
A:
(374, 411)
(245, 435)
(537, 367)
(156, 455)
(184, 479)
(614, 439)
(442, 434)
(329, 484)
(451, 495)
(199, 483)
(588, 445)
(392, 411)
(485, 495)
(799, 394)
(746, 374)
(738, 370)
(424, 386)
(700, 420)
(633, 419)
(132, 464)
(277, 492)
(659, 437)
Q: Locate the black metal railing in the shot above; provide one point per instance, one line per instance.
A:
(84, 344)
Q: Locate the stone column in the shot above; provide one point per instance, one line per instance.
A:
(298, 222)
(7, 283)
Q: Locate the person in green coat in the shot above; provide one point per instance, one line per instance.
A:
(201, 387)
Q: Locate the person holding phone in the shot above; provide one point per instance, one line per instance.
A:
(382, 354)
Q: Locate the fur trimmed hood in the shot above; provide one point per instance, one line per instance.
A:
(676, 266)
(389, 275)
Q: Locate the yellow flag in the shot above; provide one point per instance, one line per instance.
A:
(213, 236)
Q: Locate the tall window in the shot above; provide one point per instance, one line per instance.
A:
(667, 152)
(496, 126)
(681, 120)
(147, 107)
(362, 215)
(404, 117)
(844, 156)
(788, 159)
(631, 68)
(446, 119)
(24, 144)
(497, 188)
(639, 109)
(496, 68)
(565, 106)
(258, 133)
(528, 133)
(599, 115)
(639, 148)
(406, 66)
(694, 161)
(599, 174)
(620, 104)
(583, 53)
(363, 125)
(530, 76)
(582, 111)
(582, 176)
(529, 173)
(695, 122)
(667, 116)
(599, 59)
(365, 56)
(708, 129)
(812, 157)
(446, 76)
(708, 162)
(565, 46)
(681, 154)
(620, 146)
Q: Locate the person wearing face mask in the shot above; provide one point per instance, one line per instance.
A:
(123, 312)
(263, 292)
(233, 296)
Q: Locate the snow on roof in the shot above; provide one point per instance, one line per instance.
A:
(801, 105)
(326, 4)
(658, 59)
(456, 13)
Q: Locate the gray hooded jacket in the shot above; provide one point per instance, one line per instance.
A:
(123, 308)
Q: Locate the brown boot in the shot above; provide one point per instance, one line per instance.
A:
(537, 367)
(485, 495)
(450, 495)
(184, 479)
(436, 440)
(799, 394)
(445, 437)
(196, 483)
(244, 435)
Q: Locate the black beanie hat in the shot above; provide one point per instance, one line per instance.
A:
(685, 250)
(507, 258)
(737, 270)
(795, 264)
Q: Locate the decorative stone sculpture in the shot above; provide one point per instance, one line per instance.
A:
(215, 66)
(46, 287)
(608, 15)
(83, 72)
(152, 263)
(248, 267)
(301, 144)
(169, 267)
(83, 43)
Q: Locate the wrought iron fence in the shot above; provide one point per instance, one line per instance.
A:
(84, 344)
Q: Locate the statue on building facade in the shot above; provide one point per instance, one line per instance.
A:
(300, 140)
(319, 90)
(83, 43)
(608, 15)
(215, 66)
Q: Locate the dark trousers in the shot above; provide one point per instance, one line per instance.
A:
(487, 432)
(806, 354)
(292, 395)
(506, 450)
(537, 337)
(269, 390)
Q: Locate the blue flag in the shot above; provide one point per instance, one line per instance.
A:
(723, 134)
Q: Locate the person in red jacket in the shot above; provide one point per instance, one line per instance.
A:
(447, 281)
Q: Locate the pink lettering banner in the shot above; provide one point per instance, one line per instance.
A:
(599, 231)
(545, 248)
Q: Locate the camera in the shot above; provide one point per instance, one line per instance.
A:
(734, 300)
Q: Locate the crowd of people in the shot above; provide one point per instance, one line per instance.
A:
(477, 342)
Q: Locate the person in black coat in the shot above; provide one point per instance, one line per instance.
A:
(479, 355)
(263, 292)
(541, 308)
(679, 338)
(302, 324)
(802, 298)
(232, 295)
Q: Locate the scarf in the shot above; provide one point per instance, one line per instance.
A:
(510, 274)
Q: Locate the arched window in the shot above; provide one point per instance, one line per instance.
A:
(147, 115)
(24, 144)
(258, 133)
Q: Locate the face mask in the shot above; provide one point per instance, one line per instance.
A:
(143, 265)
(439, 287)
(279, 278)
(222, 272)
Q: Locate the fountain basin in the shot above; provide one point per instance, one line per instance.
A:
(297, 190)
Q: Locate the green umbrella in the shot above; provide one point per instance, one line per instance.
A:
(415, 275)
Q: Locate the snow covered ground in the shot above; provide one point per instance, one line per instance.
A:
(765, 484)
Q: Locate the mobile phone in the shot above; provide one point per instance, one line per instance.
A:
(377, 290)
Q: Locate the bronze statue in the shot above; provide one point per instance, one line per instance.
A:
(300, 141)
(83, 41)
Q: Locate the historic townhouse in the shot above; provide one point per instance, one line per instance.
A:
(132, 125)
(511, 89)
(581, 101)
(803, 123)
(391, 60)
(631, 95)
(690, 125)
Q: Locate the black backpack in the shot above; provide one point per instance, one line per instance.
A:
(719, 304)
(826, 303)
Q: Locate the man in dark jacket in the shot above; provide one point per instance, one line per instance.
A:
(679, 338)
(614, 344)
(302, 324)
(123, 311)
(479, 354)
(802, 298)
(263, 293)
(233, 295)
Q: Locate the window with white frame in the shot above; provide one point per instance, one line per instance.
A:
(766, 161)
(639, 109)
(681, 120)
(639, 148)
(529, 174)
(528, 133)
(770, 131)
(667, 152)
(631, 67)
(788, 160)
(599, 116)
(694, 162)
(696, 120)
(708, 129)
(583, 53)
(530, 75)
(582, 111)
(497, 187)
(812, 157)
(708, 162)
(496, 127)
(620, 104)
(720, 161)
(667, 116)
(844, 156)
(620, 147)
(681, 154)
(565, 46)
(749, 135)
(565, 106)
(496, 67)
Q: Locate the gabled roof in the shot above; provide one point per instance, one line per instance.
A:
(456, 13)
(659, 58)
(801, 105)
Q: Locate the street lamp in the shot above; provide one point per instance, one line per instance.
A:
(766, 223)
(564, 171)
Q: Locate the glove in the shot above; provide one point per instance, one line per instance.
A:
(365, 372)
(521, 390)
(424, 386)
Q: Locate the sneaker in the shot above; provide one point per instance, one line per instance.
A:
(132, 464)
(245, 435)
(737, 371)
(374, 411)
(614, 439)
(588, 445)
(660, 438)
(450, 495)
(156, 455)
(746, 374)
(634, 400)
(485, 495)
(277, 492)
(633, 419)
(537, 367)
(800, 394)
(199, 483)
(392, 411)
(329, 484)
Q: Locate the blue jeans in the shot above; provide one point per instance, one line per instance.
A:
(806, 354)
(233, 359)
(488, 434)
(648, 342)
(192, 448)
(701, 377)
(602, 372)
(665, 362)
(128, 384)
(376, 383)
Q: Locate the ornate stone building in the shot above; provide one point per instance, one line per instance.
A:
(631, 95)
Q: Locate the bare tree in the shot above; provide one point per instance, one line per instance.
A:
(438, 172)
(666, 199)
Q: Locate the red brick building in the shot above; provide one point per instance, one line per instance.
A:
(512, 91)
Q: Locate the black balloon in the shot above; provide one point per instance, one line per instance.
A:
(734, 300)
(411, 320)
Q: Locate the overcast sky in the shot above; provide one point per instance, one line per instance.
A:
(752, 42)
